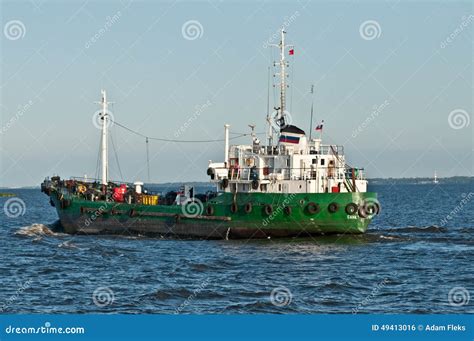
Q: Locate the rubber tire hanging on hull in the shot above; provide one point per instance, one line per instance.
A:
(312, 208)
(333, 207)
(255, 184)
(210, 210)
(225, 183)
(351, 208)
(268, 209)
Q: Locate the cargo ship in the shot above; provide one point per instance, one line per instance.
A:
(290, 186)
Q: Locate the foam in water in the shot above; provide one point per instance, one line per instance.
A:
(35, 230)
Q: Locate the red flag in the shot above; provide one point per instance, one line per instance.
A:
(291, 52)
(320, 126)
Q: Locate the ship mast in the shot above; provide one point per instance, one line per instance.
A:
(104, 151)
(281, 111)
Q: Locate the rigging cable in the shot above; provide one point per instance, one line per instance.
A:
(147, 159)
(116, 157)
(173, 140)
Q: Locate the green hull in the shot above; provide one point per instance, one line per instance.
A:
(80, 216)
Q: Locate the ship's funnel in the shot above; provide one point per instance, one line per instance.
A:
(292, 136)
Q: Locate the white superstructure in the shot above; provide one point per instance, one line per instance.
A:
(295, 165)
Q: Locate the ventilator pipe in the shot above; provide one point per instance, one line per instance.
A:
(226, 146)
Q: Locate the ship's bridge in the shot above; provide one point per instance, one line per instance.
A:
(295, 165)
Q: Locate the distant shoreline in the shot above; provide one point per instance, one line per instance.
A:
(372, 181)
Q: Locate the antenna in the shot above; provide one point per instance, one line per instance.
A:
(269, 118)
(283, 64)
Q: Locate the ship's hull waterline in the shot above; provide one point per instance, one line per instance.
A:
(289, 215)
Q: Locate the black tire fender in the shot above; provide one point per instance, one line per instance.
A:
(351, 208)
(333, 207)
(268, 209)
(210, 210)
(312, 208)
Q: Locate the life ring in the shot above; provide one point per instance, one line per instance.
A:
(312, 208)
(268, 209)
(234, 208)
(225, 183)
(248, 207)
(333, 207)
(210, 210)
(287, 210)
(255, 184)
(351, 208)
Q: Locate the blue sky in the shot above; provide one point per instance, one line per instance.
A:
(56, 57)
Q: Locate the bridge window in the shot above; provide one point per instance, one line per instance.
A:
(322, 162)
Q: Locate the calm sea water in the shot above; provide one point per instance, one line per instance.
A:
(417, 257)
